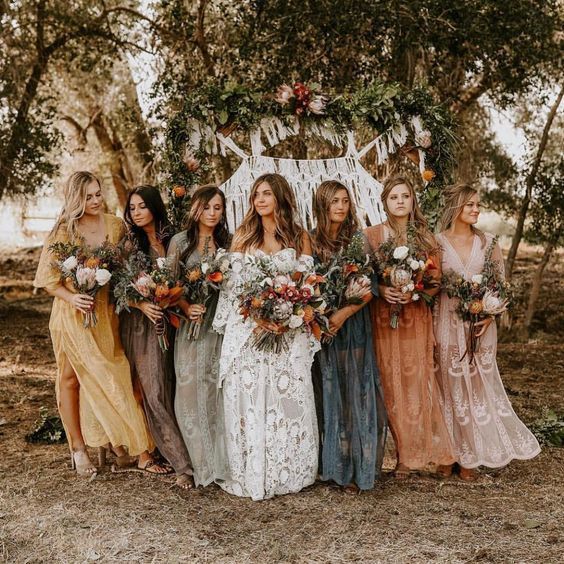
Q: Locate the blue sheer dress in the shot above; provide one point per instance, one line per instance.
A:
(350, 405)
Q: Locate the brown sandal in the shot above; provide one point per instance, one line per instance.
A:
(151, 466)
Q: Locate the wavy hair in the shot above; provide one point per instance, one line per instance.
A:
(74, 194)
(324, 245)
(455, 198)
(424, 238)
(288, 232)
(154, 202)
(200, 198)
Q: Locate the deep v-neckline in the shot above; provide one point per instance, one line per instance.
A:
(106, 237)
(459, 258)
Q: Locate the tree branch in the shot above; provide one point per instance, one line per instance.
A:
(200, 38)
(529, 183)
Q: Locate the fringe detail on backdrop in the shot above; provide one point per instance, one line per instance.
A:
(305, 175)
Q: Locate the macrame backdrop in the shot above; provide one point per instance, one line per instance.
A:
(306, 175)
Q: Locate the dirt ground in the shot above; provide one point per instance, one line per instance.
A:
(47, 514)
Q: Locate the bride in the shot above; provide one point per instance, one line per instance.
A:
(271, 438)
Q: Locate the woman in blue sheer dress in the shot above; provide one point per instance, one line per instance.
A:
(350, 402)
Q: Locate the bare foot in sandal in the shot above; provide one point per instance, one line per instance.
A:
(185, 482)
(148, 464)
(401, 471)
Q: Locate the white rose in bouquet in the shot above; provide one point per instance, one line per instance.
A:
(415, 297)
(161, 263)
(70, 263)
(205, 267)
(282, 310)
(86, 277)
(401, 252)
(103, 276)
(477, 278)
(414, 264)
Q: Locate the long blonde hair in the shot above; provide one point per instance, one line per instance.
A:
(423, 236)
(74, 202)
(289, 233)
(323, 244)
(455, 198)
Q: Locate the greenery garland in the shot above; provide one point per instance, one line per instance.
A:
(378, 106)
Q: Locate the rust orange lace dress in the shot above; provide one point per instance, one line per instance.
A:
(411, 392)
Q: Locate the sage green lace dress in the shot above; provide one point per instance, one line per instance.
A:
(196, 363)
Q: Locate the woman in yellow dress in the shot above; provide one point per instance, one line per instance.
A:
(93, 386)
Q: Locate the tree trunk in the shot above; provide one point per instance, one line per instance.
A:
(535, 286)
(116, 158)
(529, 183)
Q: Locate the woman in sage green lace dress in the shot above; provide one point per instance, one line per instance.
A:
(196, 360)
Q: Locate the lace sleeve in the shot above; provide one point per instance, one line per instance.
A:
(227, 302)
(173, 254)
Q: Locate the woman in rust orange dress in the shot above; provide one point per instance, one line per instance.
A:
(405, 354)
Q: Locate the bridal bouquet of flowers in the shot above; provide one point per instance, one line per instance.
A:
(202, 279)
(485, 295)
(86, 269)
(287, 300)
(406, 268)
(139, 279)
(346, 278)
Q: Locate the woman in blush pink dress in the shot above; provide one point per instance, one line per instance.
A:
(483, 426)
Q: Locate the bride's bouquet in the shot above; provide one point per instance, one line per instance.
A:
(140, 279)
(202, 280)
(86, 269)
(485, 295)
(406, 268)
(288, 301)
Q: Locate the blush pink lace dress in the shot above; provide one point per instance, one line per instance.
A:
(484, 429)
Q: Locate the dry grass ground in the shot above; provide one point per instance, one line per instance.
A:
(46, 514)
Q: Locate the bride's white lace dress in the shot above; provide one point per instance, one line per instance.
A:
(270, 434)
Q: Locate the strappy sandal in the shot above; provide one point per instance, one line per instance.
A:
(151, 466)
(185, 482)
(122, 462)
(401, 472)
(80, 461)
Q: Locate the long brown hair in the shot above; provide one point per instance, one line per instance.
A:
(455, 198)
(289, 233)
(153, 201)
(74, 202)
(200, 198)
(323, 244)
(423, 236)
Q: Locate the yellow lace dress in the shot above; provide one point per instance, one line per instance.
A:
(109, 412)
